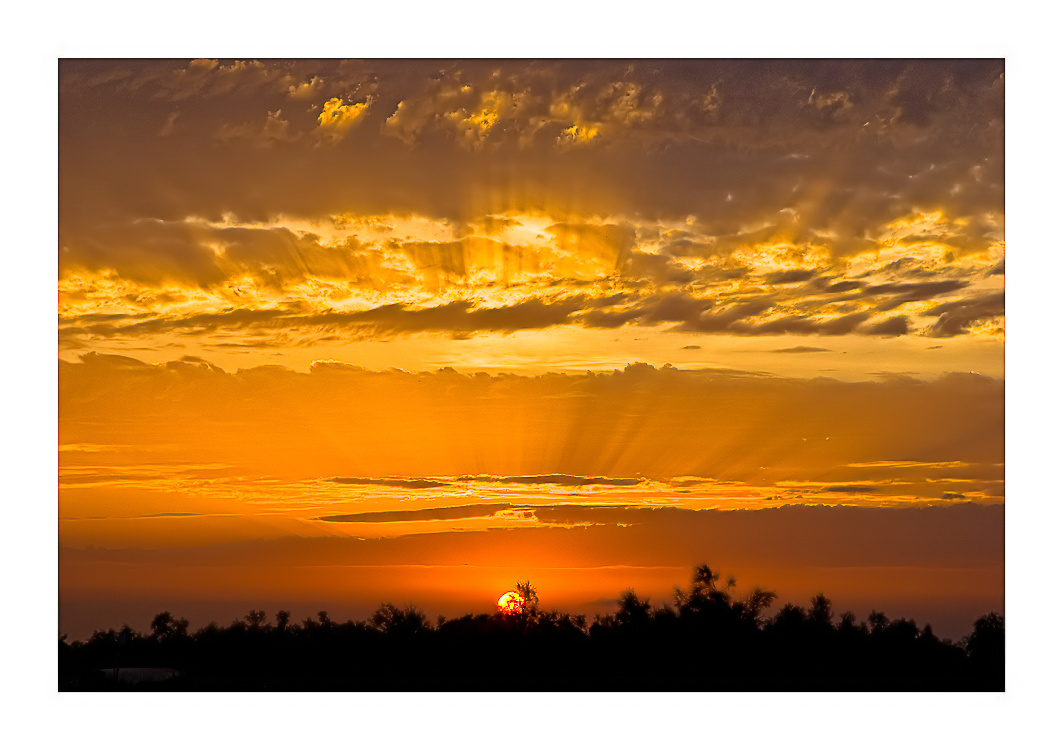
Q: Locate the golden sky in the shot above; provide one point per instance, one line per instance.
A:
(511, 307)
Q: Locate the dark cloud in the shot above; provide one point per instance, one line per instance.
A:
(955, 318)
(838, 326)
(789, 277)
(721, 320)
(455, 316)
(961, 533)
(956, 417)
(895, 326)
(562, 479)
(741, 315)
(801, 350)
(426, 514)
(851, 144)
(903, 292)
(459, 316)
(409, 484)
(844, 286)
(660, 269)
(811, 161)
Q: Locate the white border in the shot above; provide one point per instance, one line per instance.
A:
(1021, 32)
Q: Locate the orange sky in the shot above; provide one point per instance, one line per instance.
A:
(545, 295)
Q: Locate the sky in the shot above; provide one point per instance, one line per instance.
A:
(333, 333)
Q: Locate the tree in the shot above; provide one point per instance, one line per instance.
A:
(758, 601)
(704, 596)
(820, 612)
(878, 621)
(255, 618)
(161, 625)
(393, 621)
(704, 579)
(529, 600)
(985, 644)
(633, 611)
(165, 626)
(283, 618)
(790, 618)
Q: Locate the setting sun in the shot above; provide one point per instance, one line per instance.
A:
(510, 603)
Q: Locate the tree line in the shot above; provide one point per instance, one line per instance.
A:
(708, 638)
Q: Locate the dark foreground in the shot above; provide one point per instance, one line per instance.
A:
(710, 640)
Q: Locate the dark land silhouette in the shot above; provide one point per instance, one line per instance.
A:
(709, 638)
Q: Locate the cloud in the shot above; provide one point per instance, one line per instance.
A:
(567, 480)
(577, 135)
(801, 350)
(833, 192)
(426, 514)
(908, 464)
(337, 118)
(748, 123)
(607, 244)
(955, 318)
(789, 277)
(660, 269)
(307, 89)
(273, 130)
(952, 534)
(170, 125)
(895, 326)
(271, 260)
(500, 432)
(410, 484)
(455, 317)
(906, 292)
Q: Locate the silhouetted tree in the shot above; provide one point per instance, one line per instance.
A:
(633, 612)
(820, 613)
(529, 600)
(393, 621)
(712, 640)
(985, 648)
(878, 621)
(790, 618)
(704, 596)
(165, 627)
(758, 601)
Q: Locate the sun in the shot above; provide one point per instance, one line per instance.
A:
(510, 603)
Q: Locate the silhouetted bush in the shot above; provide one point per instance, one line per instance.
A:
(707, 639)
